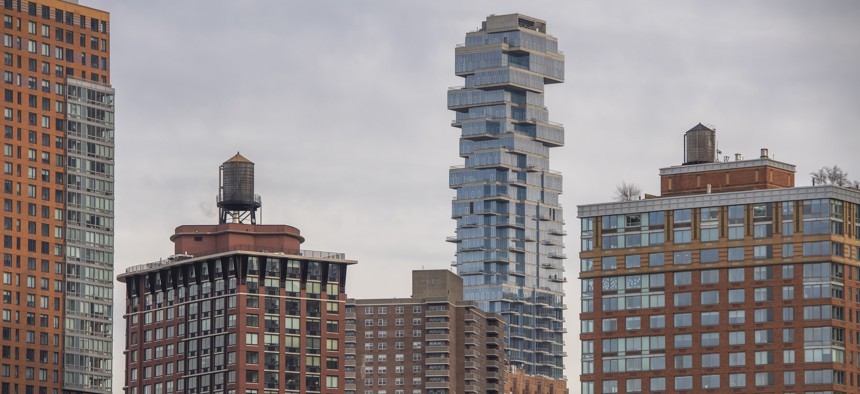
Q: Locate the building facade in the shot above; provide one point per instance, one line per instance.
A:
(239, 308)
(509, 220)
(58, 137)
(433, 342)
(734, 280)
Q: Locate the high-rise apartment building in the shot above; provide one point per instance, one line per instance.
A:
(433, 342)
(733, 280)
(240, 308)
(509, 220)
(58, 152)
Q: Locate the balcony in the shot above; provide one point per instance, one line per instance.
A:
(557, 279)
(559, 256)
(437, 361)
(453, 239)
(437, 372)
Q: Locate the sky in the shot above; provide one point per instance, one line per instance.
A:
(342, 106)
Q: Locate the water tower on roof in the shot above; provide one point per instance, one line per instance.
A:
(700, 145)
(237, 202)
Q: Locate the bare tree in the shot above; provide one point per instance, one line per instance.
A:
(627, 192)
(832, 176)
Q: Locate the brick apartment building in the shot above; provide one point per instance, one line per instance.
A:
(433, 342)
(58, 153)
(240, 308)
(732, 281)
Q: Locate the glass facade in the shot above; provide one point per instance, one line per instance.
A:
(89, 235)
(509, 220)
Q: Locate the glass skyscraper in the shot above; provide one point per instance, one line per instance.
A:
(509, 221)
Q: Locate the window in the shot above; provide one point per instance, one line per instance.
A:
(684, 362)
(763, 294)
(736, 254)
(763, 273)
(736, 296)
(737, 380)
(683, 341)
(634, 385)
(736, 275)
(632, 261)
(709, 256)
(610, 386)
(787, 293)
(710, 297)
(764, 357)
(737, 359)
(683, 278)
(763, 379)
(656, 259)
(737, 317)
(683, 320)
(658, 384)
(763, 315)
(610, 325)
(711, 339)
(710, 360)
(710, 318)
(683, 383)
(633, 323)
(711, 381)
(736, 222)
(683, 299)
(609, 263)
(710, 277)
(763, 337)
(657, 321)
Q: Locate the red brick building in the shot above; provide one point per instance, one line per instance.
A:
(58, 155)
(734, 280)
(240, 308)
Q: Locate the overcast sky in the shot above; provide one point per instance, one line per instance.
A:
(342, 106)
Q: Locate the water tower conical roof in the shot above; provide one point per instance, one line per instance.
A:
(238, 158)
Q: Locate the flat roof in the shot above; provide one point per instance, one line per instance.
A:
(169, 263)
(719, 199)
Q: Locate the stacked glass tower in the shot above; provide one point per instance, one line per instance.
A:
(509, 221)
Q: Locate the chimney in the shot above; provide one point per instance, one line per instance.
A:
(764, 153)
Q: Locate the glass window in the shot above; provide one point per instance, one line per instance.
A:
(736, 275)
(736, 254)
(683, 383)
(656, 259)
(711, 339)
(683, 320)
(631, 261)
(683, 278)
(736, 296)
(709, 256)
(710, 297)
(737, 338)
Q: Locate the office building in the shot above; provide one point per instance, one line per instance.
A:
(58, 145)
(509, 220)
(733, 280)
(433, 342)
(239, 309)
